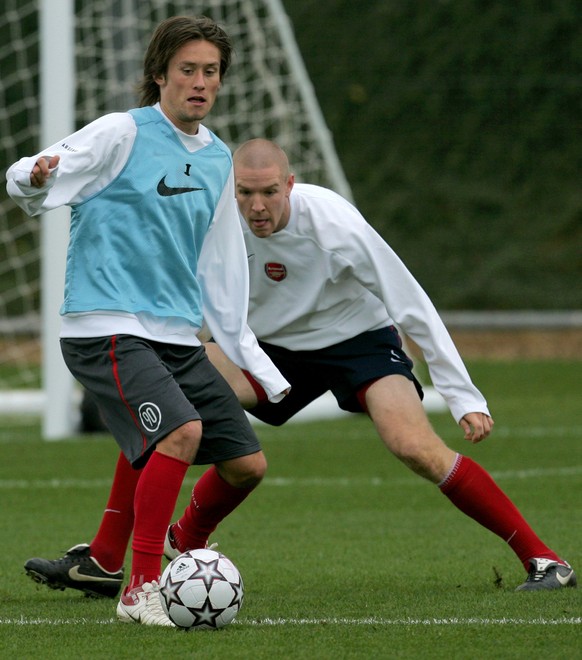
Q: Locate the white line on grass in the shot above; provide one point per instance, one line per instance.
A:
(43, 484)
(499, 431)
(294, 482)
(570, 471)
(368, 621)
(538, 431)
(375, 621)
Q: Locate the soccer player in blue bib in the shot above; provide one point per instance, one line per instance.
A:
(155, 247)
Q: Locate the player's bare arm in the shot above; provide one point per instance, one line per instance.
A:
(41, 171)
(477, 426)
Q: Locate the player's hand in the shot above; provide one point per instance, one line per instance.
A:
(41, 171)
(477, 426)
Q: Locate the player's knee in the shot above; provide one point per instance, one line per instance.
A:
(244, 472)
(423, 457)
(252, 472)
(182, 443)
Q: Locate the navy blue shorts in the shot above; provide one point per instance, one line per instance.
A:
(145, 390)
(345, 369)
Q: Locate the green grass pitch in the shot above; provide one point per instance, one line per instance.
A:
(344, 553)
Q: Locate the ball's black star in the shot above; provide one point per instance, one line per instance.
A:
(170, 592)
(205, 615)
(208, 572)
(238, 596)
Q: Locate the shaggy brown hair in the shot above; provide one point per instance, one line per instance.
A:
(168, 38)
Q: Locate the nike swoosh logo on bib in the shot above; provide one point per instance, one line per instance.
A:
(166, 191)
(79, 577)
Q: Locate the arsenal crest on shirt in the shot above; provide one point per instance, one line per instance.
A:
(275, 271)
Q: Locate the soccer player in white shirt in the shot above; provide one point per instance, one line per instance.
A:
(325, 294)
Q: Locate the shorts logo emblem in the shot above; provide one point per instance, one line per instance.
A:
(150, 416)
(275, 271)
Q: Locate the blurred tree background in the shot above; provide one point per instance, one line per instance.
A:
(458, 124)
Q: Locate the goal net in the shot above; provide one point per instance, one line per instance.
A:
(19, 239)
(267, 93)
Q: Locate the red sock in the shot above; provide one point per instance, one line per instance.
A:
(472, 490)
(155, 501)
(212, 500)
(110, 544)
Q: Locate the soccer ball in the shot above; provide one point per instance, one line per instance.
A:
(201, 589)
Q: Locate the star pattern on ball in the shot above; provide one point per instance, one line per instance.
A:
(170, 593)
(237, 598)
(208, 572)
(206, 615)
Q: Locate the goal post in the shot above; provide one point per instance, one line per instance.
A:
(57, 95)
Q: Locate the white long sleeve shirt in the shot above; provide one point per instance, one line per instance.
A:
(90, 160)
(329, 276)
